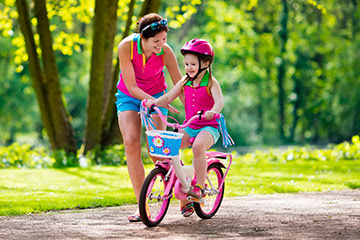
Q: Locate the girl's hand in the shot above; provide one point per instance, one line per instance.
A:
(151, 102)
(209, 114)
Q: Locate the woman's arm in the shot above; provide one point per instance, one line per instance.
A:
(171, 64)
(127, 70)
(167, 98)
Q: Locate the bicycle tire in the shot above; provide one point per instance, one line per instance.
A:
(212, 202)
(151, 195)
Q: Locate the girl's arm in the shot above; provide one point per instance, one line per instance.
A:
(172, 66)
(218, 99)
(127, 70)
(168, 97)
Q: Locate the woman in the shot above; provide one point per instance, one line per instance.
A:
(142, 59)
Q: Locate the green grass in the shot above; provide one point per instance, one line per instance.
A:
(24, 191)
(292, 177)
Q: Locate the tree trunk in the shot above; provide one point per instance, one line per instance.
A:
(110, 127)
(299, 67)
(34, 65)
(64, 136)
(101, 62)
(355, 129)
(111, 75)
(150, 6)
(46, 84)
(282, 71)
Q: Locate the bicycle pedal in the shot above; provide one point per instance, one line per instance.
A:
(192, 199)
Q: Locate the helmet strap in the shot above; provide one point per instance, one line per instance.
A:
(199, 71)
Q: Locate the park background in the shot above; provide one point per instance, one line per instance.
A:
(289, 72)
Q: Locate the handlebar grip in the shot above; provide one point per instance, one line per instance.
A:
(152, 109)
(216, 116)
(143, 102)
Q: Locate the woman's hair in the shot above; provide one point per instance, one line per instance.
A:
(146, 21)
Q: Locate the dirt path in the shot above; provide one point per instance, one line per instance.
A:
(329, 215)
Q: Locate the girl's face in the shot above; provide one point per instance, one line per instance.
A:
(191, 62)
(156, 43)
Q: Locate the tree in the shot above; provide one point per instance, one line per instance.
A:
(288, 69)
(101, 70)
(101, 118)
(281, 69)
(46, 82)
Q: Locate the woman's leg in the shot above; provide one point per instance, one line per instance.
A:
(159, 125)
(130, 127)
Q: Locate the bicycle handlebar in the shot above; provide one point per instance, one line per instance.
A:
(174, 125)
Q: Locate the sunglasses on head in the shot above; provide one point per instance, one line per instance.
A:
(156, 25)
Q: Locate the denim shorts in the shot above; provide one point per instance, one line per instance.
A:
(127, 103)
(194, 132)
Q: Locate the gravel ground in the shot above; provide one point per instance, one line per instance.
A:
(328, 215)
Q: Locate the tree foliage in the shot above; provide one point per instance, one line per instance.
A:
(59, 28)
(317, 101)
(288, 69)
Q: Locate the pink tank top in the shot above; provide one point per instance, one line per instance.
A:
(196, 99)
(149, 76)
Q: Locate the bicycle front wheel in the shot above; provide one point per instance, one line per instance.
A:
(152, 203)
(211, 202)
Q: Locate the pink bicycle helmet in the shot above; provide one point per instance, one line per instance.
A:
(198, 46)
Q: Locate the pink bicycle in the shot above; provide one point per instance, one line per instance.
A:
(170, 177)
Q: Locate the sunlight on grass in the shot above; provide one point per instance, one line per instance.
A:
(292, 177)
(30, 190)
(24, 191)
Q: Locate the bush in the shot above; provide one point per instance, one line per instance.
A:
(347, 151)
(26, 156)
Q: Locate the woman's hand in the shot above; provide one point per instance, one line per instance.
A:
(172, 109)
(150, 102)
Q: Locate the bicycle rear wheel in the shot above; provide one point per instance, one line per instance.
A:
(212, 201)
(152, 204)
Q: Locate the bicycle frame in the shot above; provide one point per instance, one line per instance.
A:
(180, 174)
(212, 157)
(170, 177)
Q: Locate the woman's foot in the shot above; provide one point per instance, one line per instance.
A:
(188, 209)
(134, 217)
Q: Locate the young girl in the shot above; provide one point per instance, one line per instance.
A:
(202, 93)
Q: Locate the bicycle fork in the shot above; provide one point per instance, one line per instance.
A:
(181, 174)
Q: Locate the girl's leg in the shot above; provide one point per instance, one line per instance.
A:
(185, 139)
(186, 206)
(130, 127)
(203, 142)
